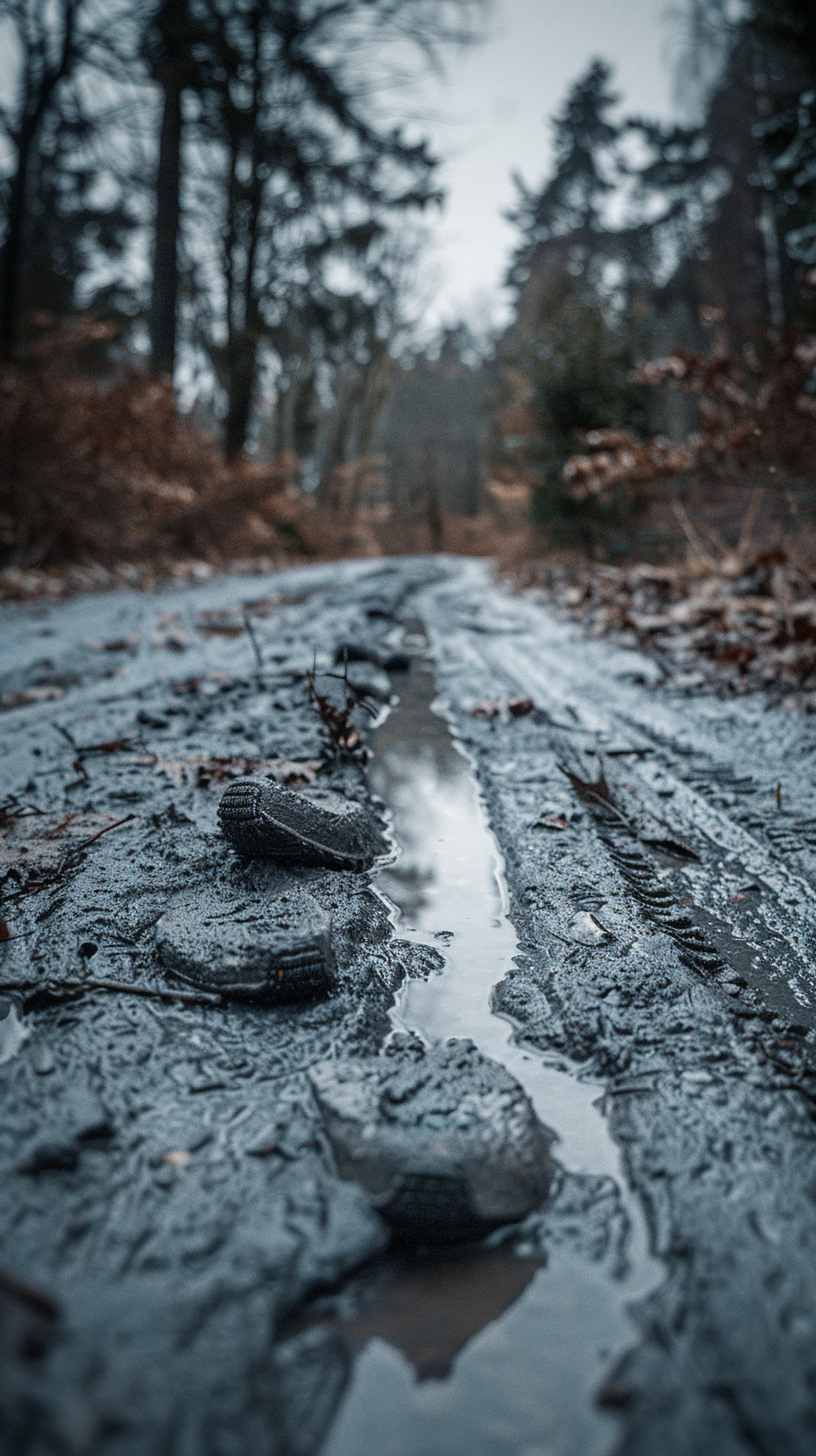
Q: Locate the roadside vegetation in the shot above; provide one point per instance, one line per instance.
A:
(209, 316)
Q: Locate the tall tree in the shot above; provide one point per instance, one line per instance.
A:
(300, 175)
(568, 357)
(46, 38)
(79, 219)
(785, 31)
(572, 201)
(57, 51)
(168, 44)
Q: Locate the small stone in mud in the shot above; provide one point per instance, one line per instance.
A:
(444, 1141)
(586, 930)
(276, 952)
(416, 960)
(78, 1119)
(264, 819)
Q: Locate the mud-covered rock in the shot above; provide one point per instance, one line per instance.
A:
(275, 949)
(261, 818)
(444, 1140)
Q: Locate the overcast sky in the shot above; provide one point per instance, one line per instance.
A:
(490, 118)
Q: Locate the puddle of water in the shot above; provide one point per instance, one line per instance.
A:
(519, 1355)
(436, 1305)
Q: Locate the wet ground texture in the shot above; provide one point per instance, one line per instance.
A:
(183, 1268)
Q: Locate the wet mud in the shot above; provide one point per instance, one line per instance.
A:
(184, 1269)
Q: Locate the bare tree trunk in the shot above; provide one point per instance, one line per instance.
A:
(35, 105)
(244, 335)
(378, 383)
(286, 442)
(766, 221)
(241, 389)
(12, 256)
(164, 300)
(349, 388)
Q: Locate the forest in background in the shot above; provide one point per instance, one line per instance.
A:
(210, 300)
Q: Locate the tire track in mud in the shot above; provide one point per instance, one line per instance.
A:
(706, 1079)
(697, 1009)
(769, 953)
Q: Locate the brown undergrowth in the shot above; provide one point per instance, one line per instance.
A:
(741, 619)
(103, 484)
(97, 473)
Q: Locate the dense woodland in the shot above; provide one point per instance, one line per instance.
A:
(208, 290)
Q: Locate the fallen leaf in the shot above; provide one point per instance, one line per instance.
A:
(130, 643)
(177, 1160)
(220, 624)
(175, 768)
(592, 792)
(495, 707)
(192, 684)
(32, 695)
(551, 821)
(264, 1151)
(206, 771)
(519, 707)
(39, 842)
(4, 931)
(294, 772)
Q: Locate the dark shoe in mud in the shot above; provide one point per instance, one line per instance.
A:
(275, 952)
(262, 818)
(445, 1142)
(377, 654)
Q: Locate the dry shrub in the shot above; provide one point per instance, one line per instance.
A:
(94, 471)
(754, 415)
(101, 481)
(745, 618)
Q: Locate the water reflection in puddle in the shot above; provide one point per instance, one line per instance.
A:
(485, 1353)
(435, 1306)
(13, 1031)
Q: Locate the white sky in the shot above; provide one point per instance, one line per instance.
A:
(489, 118)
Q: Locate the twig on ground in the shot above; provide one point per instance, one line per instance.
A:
(32, 886)
(692, 535)
(749, 522)
(250, 630)
(60, 990)
(67, 735)
(98, 835)
(338, 720)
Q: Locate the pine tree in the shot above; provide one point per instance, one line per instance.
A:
(571, 203)
(575, 276)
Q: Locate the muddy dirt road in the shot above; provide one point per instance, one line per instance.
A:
(613, 894)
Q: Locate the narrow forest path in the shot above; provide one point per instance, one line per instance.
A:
(216, 1287)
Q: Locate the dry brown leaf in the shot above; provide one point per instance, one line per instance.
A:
(175, 769)
(38, 842)
(32, 695)
(496, 707)
(177, 1159)
(206, 771)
